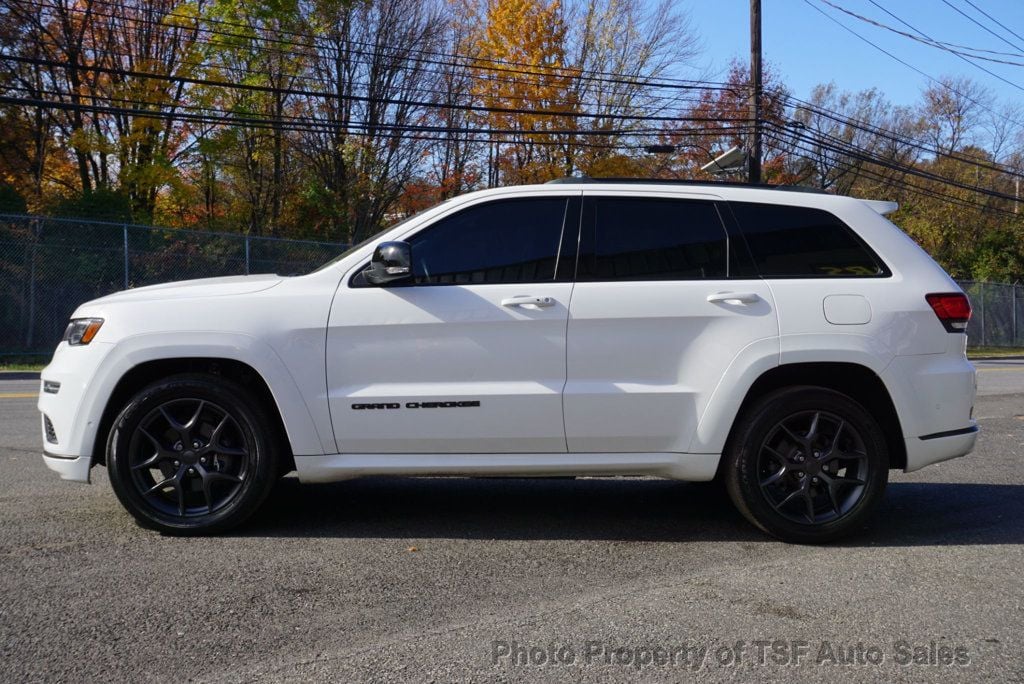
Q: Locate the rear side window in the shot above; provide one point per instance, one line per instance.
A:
(505, 241)
(638, 238)
(800, 242)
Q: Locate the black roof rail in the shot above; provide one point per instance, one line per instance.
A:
(678, 181)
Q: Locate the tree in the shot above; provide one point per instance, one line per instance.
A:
(370, 62)
(529, 34)
(640, 43)
(838, 130)
(953, 110)
(723, 121)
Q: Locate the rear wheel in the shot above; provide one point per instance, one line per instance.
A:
(807, 465)
(192, 454)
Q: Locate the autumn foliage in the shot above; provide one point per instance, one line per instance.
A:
(330, 119)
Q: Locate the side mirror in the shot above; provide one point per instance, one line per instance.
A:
(391, 262)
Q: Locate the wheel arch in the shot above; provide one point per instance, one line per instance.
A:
(854, 380)
(140, 375)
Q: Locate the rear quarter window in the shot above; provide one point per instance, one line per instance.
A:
(801, 242)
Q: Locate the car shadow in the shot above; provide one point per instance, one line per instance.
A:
(641, 510)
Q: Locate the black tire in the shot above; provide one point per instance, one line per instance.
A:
(207, 440)
(805, 479)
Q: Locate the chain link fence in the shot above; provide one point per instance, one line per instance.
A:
(997, 319)
(49, 266)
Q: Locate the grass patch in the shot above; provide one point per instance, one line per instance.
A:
(21, 366)
(23, 362)
(975, 352)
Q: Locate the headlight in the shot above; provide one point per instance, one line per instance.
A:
(82, 330)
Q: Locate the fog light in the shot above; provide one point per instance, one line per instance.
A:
(51, 434)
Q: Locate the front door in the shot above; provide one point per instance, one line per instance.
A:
(469, 357)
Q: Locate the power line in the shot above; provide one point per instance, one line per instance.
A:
(941, 45)
(342, 96)
(978, 23)
(221, 66)
(254, 121)
(291, 52)
(900, 139)
(958, 55)
(841, 146)
(309, 124)
(862, 171)
(996, 21)
(910, 66)
(235, 119)
(475, 62)
(360, 54)
(241, 71)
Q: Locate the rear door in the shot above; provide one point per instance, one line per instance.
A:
(662, 305)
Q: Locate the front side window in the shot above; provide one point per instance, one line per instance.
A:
(801, 242)
(504, 241)
(645, 238)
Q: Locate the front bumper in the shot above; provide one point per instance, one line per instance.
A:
(75, 469)
(73, 424)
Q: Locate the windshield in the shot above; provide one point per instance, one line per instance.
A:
(377, 235)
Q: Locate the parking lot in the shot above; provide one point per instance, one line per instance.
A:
(535, 580)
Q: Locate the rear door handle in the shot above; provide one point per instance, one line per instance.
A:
(729, 297)
(528, 301)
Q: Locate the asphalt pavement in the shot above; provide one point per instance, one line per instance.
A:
(517, 580)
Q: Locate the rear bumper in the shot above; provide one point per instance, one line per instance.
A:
(929, 449)
(74, 469)
(934, 399)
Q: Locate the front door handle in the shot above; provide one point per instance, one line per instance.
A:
(528, 301)
(730, 297)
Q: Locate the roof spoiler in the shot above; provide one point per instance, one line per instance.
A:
(881, 206)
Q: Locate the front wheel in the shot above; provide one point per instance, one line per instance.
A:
(807, 465)
(192, 454)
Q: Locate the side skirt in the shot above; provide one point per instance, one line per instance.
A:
(334, 467)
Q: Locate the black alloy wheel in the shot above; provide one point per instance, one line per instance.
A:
(188, 457)
(812, 467)
(806, 464)
(192, 454)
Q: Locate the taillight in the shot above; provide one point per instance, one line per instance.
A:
(952, 308)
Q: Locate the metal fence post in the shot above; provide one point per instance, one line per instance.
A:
(982, 314)
(1013, 315)
(246, 255)
(31, 328)
(125, 229)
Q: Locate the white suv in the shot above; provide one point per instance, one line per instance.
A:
(794, 345)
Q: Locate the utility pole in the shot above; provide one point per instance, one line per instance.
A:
(754, 157)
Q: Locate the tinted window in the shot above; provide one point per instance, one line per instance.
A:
(633, 238)
(802, 242)
(506, 241)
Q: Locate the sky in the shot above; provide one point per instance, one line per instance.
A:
(806, 48)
